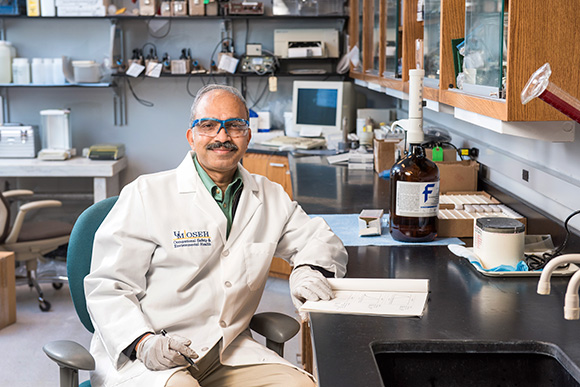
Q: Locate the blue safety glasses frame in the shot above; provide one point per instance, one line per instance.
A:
(211, 127)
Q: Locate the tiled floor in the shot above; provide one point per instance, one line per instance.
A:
(24, 364)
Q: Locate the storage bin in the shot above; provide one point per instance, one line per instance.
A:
(86, 71)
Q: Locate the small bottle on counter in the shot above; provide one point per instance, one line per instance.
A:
(414, 197)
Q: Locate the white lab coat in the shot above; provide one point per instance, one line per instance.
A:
(161, 260)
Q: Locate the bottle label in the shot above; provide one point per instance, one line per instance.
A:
(417, 199)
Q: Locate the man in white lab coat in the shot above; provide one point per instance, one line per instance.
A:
(180, 263)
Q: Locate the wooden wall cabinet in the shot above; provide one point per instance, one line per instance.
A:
(409, 31)
(277, 169)
(537, 33)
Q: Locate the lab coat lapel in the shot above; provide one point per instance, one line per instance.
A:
(189, 183)
(249, 203)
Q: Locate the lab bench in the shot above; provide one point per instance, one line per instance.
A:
(105, 173)
(463, 306)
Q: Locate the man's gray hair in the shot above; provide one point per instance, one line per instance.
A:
(209, 88)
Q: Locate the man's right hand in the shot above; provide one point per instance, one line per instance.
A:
(159, 352)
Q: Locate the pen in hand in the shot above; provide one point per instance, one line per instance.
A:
(188, 359)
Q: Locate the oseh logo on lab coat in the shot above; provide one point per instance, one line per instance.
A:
(191, 239)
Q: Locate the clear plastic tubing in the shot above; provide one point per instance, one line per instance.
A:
(539, 86)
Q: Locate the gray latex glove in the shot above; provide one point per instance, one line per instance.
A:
(307, 284)
(159, 352)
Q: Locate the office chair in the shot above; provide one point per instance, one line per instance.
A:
(71, 357)
(30, 241)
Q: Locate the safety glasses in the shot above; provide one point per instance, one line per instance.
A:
(210, 127)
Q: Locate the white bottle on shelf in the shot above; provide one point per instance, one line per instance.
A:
(20, 71)
(57, 73)
(37, 71)
(5, 62)
(47, 8)
(47, 65)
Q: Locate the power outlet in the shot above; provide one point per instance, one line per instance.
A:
(525, 175)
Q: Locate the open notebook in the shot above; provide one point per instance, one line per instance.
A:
(296, 142)
(374, 296)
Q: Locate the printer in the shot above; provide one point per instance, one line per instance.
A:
(306, 43)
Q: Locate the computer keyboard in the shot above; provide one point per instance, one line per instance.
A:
(297, 142)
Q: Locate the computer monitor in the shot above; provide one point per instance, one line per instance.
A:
(319, 107)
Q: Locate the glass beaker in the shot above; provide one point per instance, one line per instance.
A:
(55, 130)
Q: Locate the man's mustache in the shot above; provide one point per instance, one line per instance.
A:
(219, 144)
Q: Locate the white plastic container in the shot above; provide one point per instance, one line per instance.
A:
(498, 241)
(57, 73)
(5, 62)
(47, 66)
(20, 71)
(37, 70)
(55, 130)
(86, 71)
(47, 8)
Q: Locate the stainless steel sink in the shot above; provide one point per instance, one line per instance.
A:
(473, 364)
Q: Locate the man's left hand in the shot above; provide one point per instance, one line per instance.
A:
(307, 284)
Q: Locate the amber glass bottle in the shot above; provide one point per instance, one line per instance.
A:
(414, 197)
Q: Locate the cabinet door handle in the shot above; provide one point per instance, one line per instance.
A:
(278, 165)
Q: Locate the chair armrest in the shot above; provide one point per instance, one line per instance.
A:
(17, 192)
(39, 204)
(22, 210)
(69, 354)
(275, 326)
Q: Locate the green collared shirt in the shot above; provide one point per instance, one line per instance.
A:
(226, 201)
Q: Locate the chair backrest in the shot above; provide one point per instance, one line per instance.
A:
(79, 254)
(4, 218)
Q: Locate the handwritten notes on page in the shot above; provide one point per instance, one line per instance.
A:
(374, 296)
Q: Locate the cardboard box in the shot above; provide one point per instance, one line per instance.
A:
(369, 222)
(458, 176)
(385, 153)
(7, 289)
(211, 8)
(461, 225)
(449, 154)
(196, 8)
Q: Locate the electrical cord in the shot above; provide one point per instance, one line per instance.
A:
(536, 262)
(141, 101)
(257, 101)
(149, 44)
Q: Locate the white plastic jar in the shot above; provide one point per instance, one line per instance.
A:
(498, 241)
(5, 62)
(21, 71)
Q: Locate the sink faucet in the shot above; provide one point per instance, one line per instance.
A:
(571, 300)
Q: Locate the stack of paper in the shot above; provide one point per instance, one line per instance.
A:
(374, 296)
(358, 160)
